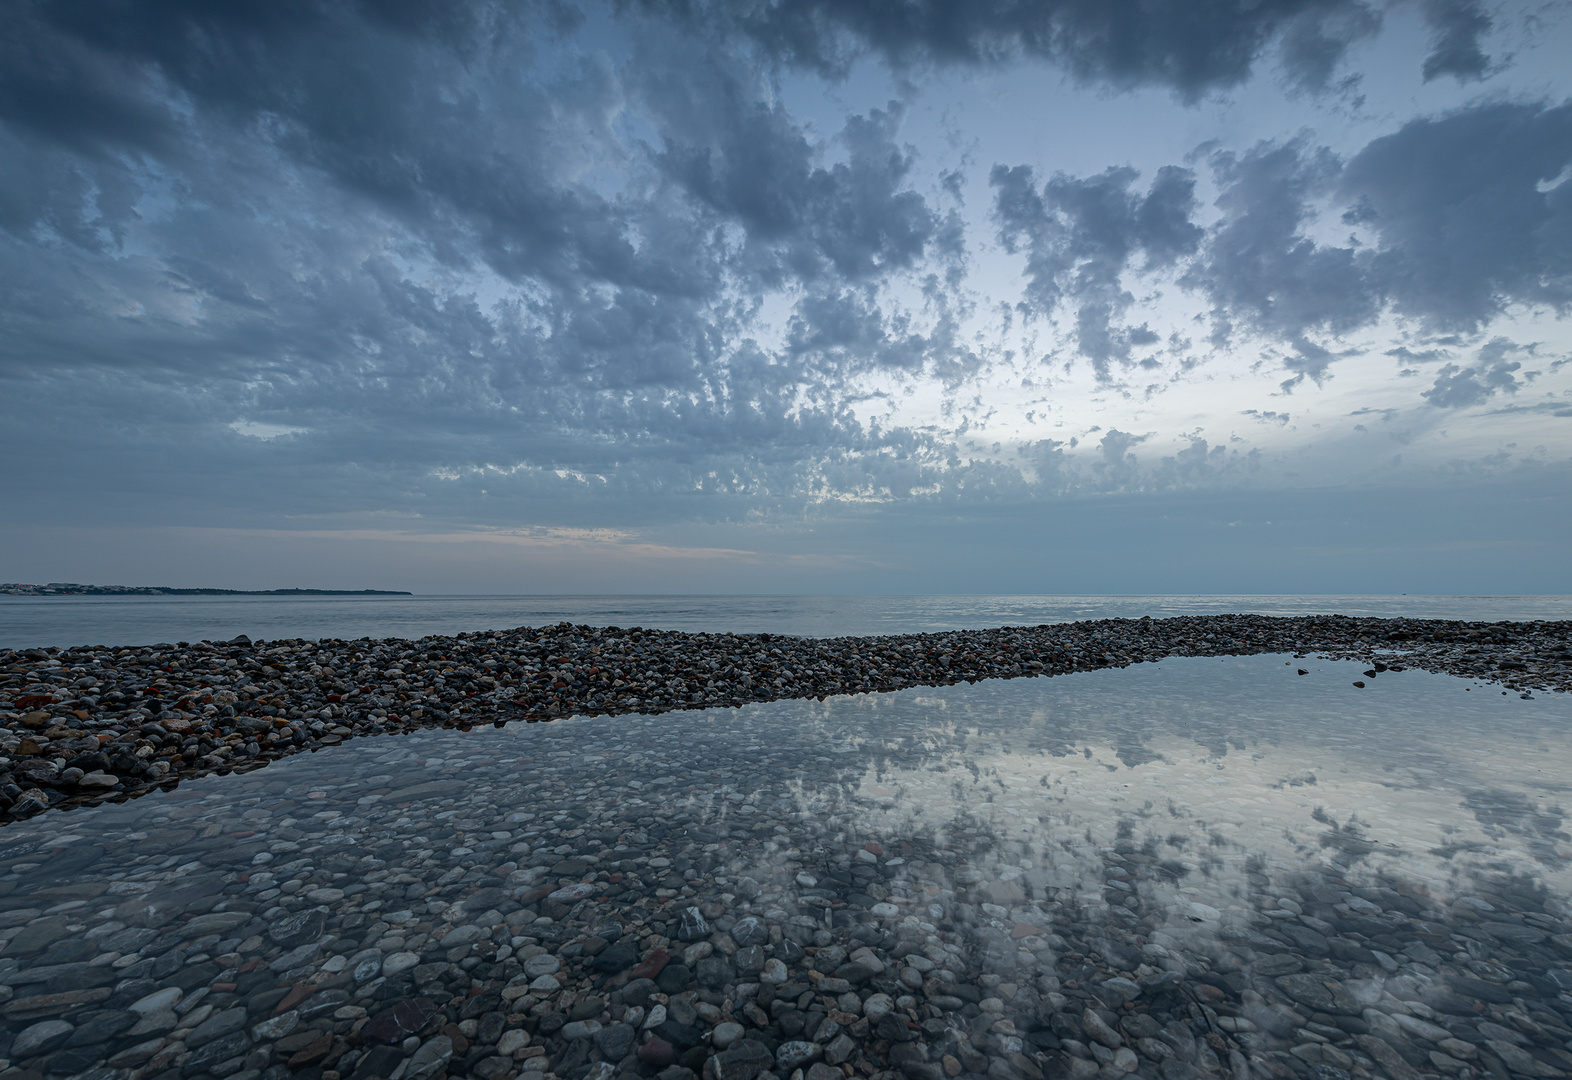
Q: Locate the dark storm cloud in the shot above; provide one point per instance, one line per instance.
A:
(1457, 25)
(1081, 235)
(1191, 48)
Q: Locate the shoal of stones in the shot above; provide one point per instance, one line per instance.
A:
(697, 897)
(84, 724)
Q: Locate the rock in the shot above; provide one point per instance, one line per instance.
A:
(217, 1025)
(399, 962)
(132, 1056)
(430, 1059)
(893, 1029)
(570, 894)
(292, 931)
(399, 1021)
(749, 930)
(674, 979)
(657, 1053)
(713, 973)
(462, 935)
(377, 1063)
(652, 965)
(277, 1027)
(877, 1006)
(40, 1038)
(1320, 994)
(212, 1053)
(616, 1041)
(96, 1028)
(790, 1055)
(220, 922)
(839, 1049)
(745, 1059)
(545, 964)
(615, 958)
(1096, 1028)
(1393, 1065)
(691, 925)
(157, 1001)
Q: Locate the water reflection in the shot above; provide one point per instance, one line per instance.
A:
(1187, 869)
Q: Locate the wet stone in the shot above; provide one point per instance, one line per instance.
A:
(292, 931)
(397, 1022)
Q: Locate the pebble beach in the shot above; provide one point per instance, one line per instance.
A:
(82, 724)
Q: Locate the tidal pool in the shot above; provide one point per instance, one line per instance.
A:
(1186, 869)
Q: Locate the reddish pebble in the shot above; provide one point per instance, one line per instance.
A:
(873, 847)
(657, 1053)
(297, 993)
(652, 966)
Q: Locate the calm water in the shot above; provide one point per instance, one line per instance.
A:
(1225, 831)
(134, 620)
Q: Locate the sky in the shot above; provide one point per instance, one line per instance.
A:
(796, 296)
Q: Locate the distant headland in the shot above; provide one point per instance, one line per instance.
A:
(65, 588)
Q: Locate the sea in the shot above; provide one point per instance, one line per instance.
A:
(27, 622)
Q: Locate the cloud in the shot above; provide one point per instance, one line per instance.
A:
(441, 241)
(1459, 387)
(482, 265)
(1307, 361)
(750, 162)
(1465, 222)
(1080, 236)
(1193, 49)
(1459, 217)
(1259, 266)
(1117, 466)
(1457, 26)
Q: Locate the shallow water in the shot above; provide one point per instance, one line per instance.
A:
(80, 620)
(1227, 824)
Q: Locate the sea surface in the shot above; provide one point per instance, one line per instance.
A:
(144, 620)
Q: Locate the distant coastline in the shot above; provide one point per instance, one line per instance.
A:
(64, 588)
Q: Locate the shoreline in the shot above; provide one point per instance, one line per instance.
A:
(83, 725)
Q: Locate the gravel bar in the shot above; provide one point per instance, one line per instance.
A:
(84, 724)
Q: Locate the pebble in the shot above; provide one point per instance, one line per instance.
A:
(83, 724)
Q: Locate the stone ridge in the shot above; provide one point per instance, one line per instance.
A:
(84, 724)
